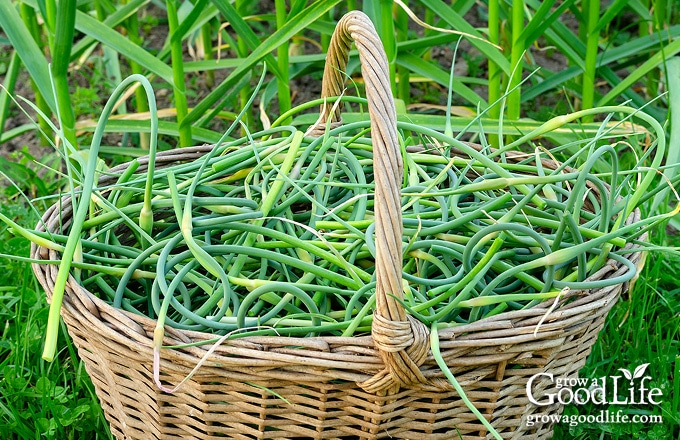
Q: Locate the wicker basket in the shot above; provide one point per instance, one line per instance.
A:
(382, 386)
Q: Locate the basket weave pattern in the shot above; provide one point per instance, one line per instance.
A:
(386, 385)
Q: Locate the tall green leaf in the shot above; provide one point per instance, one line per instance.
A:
(613, 10)
(592, 10)
(540, 22)
(639, 45)
(27, 49)
(9, 83)
(563, 38)
(179, 88)
(652, 63)
(196, 11)
(458, 23)
(550, 81)
(245, 32)
(421, 67)
(109, 37)
(191, 19)
(114, 19)
(517, 50)
(292, 27)
(283, 83)
(142, 126)
(673, 157)
(61, 57)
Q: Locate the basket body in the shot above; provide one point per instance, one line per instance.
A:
(281, 387)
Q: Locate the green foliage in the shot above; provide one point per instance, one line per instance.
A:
(642, 328)
(37, 399)
(27, 177)
(613, 55)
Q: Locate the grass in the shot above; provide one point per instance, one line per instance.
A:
(38, 399)
(642, 328)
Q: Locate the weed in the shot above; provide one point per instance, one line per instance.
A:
(643, 328)
(37, 400)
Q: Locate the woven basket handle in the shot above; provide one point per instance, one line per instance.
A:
(401, 340)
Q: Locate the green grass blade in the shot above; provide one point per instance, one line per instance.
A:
(551, 81)
(283, 83)
(112, 20)
(8, 88)
(673, 75)
(609, 75)
(403, 75)
(652, 63)
(230, 63)
(638, 45)
(28, 50)
(242, 6)
(564, 39)
(48, 10)
(388, 37)
(676, 388)
(494, 71)
(437, 74)
(640, 9)
(613, 10)
(516, 60)
(209, 116)
(132, 26)
(592, 10)
(539, 19)
(191, 19)
(425, 43)
(463, 6)
(179, 88)
(30, 18)
(539, 22)
(191, 22)
(292, 27)
(8, 135)
(61, 57)
(109, 37)
(244, 31)
(142, 126)
(458, 23)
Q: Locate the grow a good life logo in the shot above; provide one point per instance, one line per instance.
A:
(611, 390)
(629, 388)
